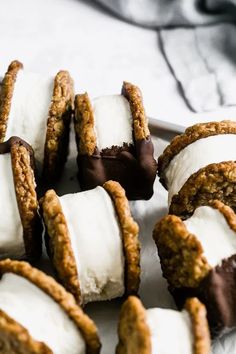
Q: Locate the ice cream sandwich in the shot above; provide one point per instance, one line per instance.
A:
(38, 109)
(199, 165)
(198, 257)
(161, 331)
(93, 242)
(114, 142)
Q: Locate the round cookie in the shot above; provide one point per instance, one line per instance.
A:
(95, 251)
(200, 165)
(197, 259)
(21, 227)
(114, 142)
(45, 106)
(56, 323)
(140, 330)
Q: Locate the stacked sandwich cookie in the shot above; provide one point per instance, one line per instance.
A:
(114, 142)
(39, 316)
(163, 331)
(20, 227)
(93, 242)
(199, 165)
(38, 109)
(198, 258)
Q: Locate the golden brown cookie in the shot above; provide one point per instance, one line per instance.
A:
(132, 165)
(181, 253)
(213, 181)
(192, 134)
(133, 331)
(6, 93)
(200, 328)
(135, 335)
(22, 164)
(16, 339)
(58, 126)
(60, 247)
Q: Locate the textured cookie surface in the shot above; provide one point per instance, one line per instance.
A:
(215, 181)
(181, 253)
(59, 244)
(58, 294)
(6, 93)
(192, 134)
(130, 240)
(200, 328)
(58, 126)
(25, 188)
(133, 331)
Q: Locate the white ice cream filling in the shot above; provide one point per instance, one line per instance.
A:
(113, 121)
(199, 154)
(29, 110)
(44, 318)
(212, 230)
(11, 231)
(96, 241)
(171, 331)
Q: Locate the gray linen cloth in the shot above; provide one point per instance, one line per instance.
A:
(159, 13)
(202, 58)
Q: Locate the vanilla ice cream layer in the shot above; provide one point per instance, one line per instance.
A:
(11, 231)
(212, 230)
(205, 151)
(171, 331)
(113, 121)
(43, 317)
(29, 110)
(96, 241)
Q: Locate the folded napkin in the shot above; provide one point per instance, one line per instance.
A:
(202, 59)
(159, 13)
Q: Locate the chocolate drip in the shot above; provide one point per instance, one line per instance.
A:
(132, 166)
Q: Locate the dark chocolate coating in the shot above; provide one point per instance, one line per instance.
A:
(134, 167)
(218, 292)
(5, 148)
